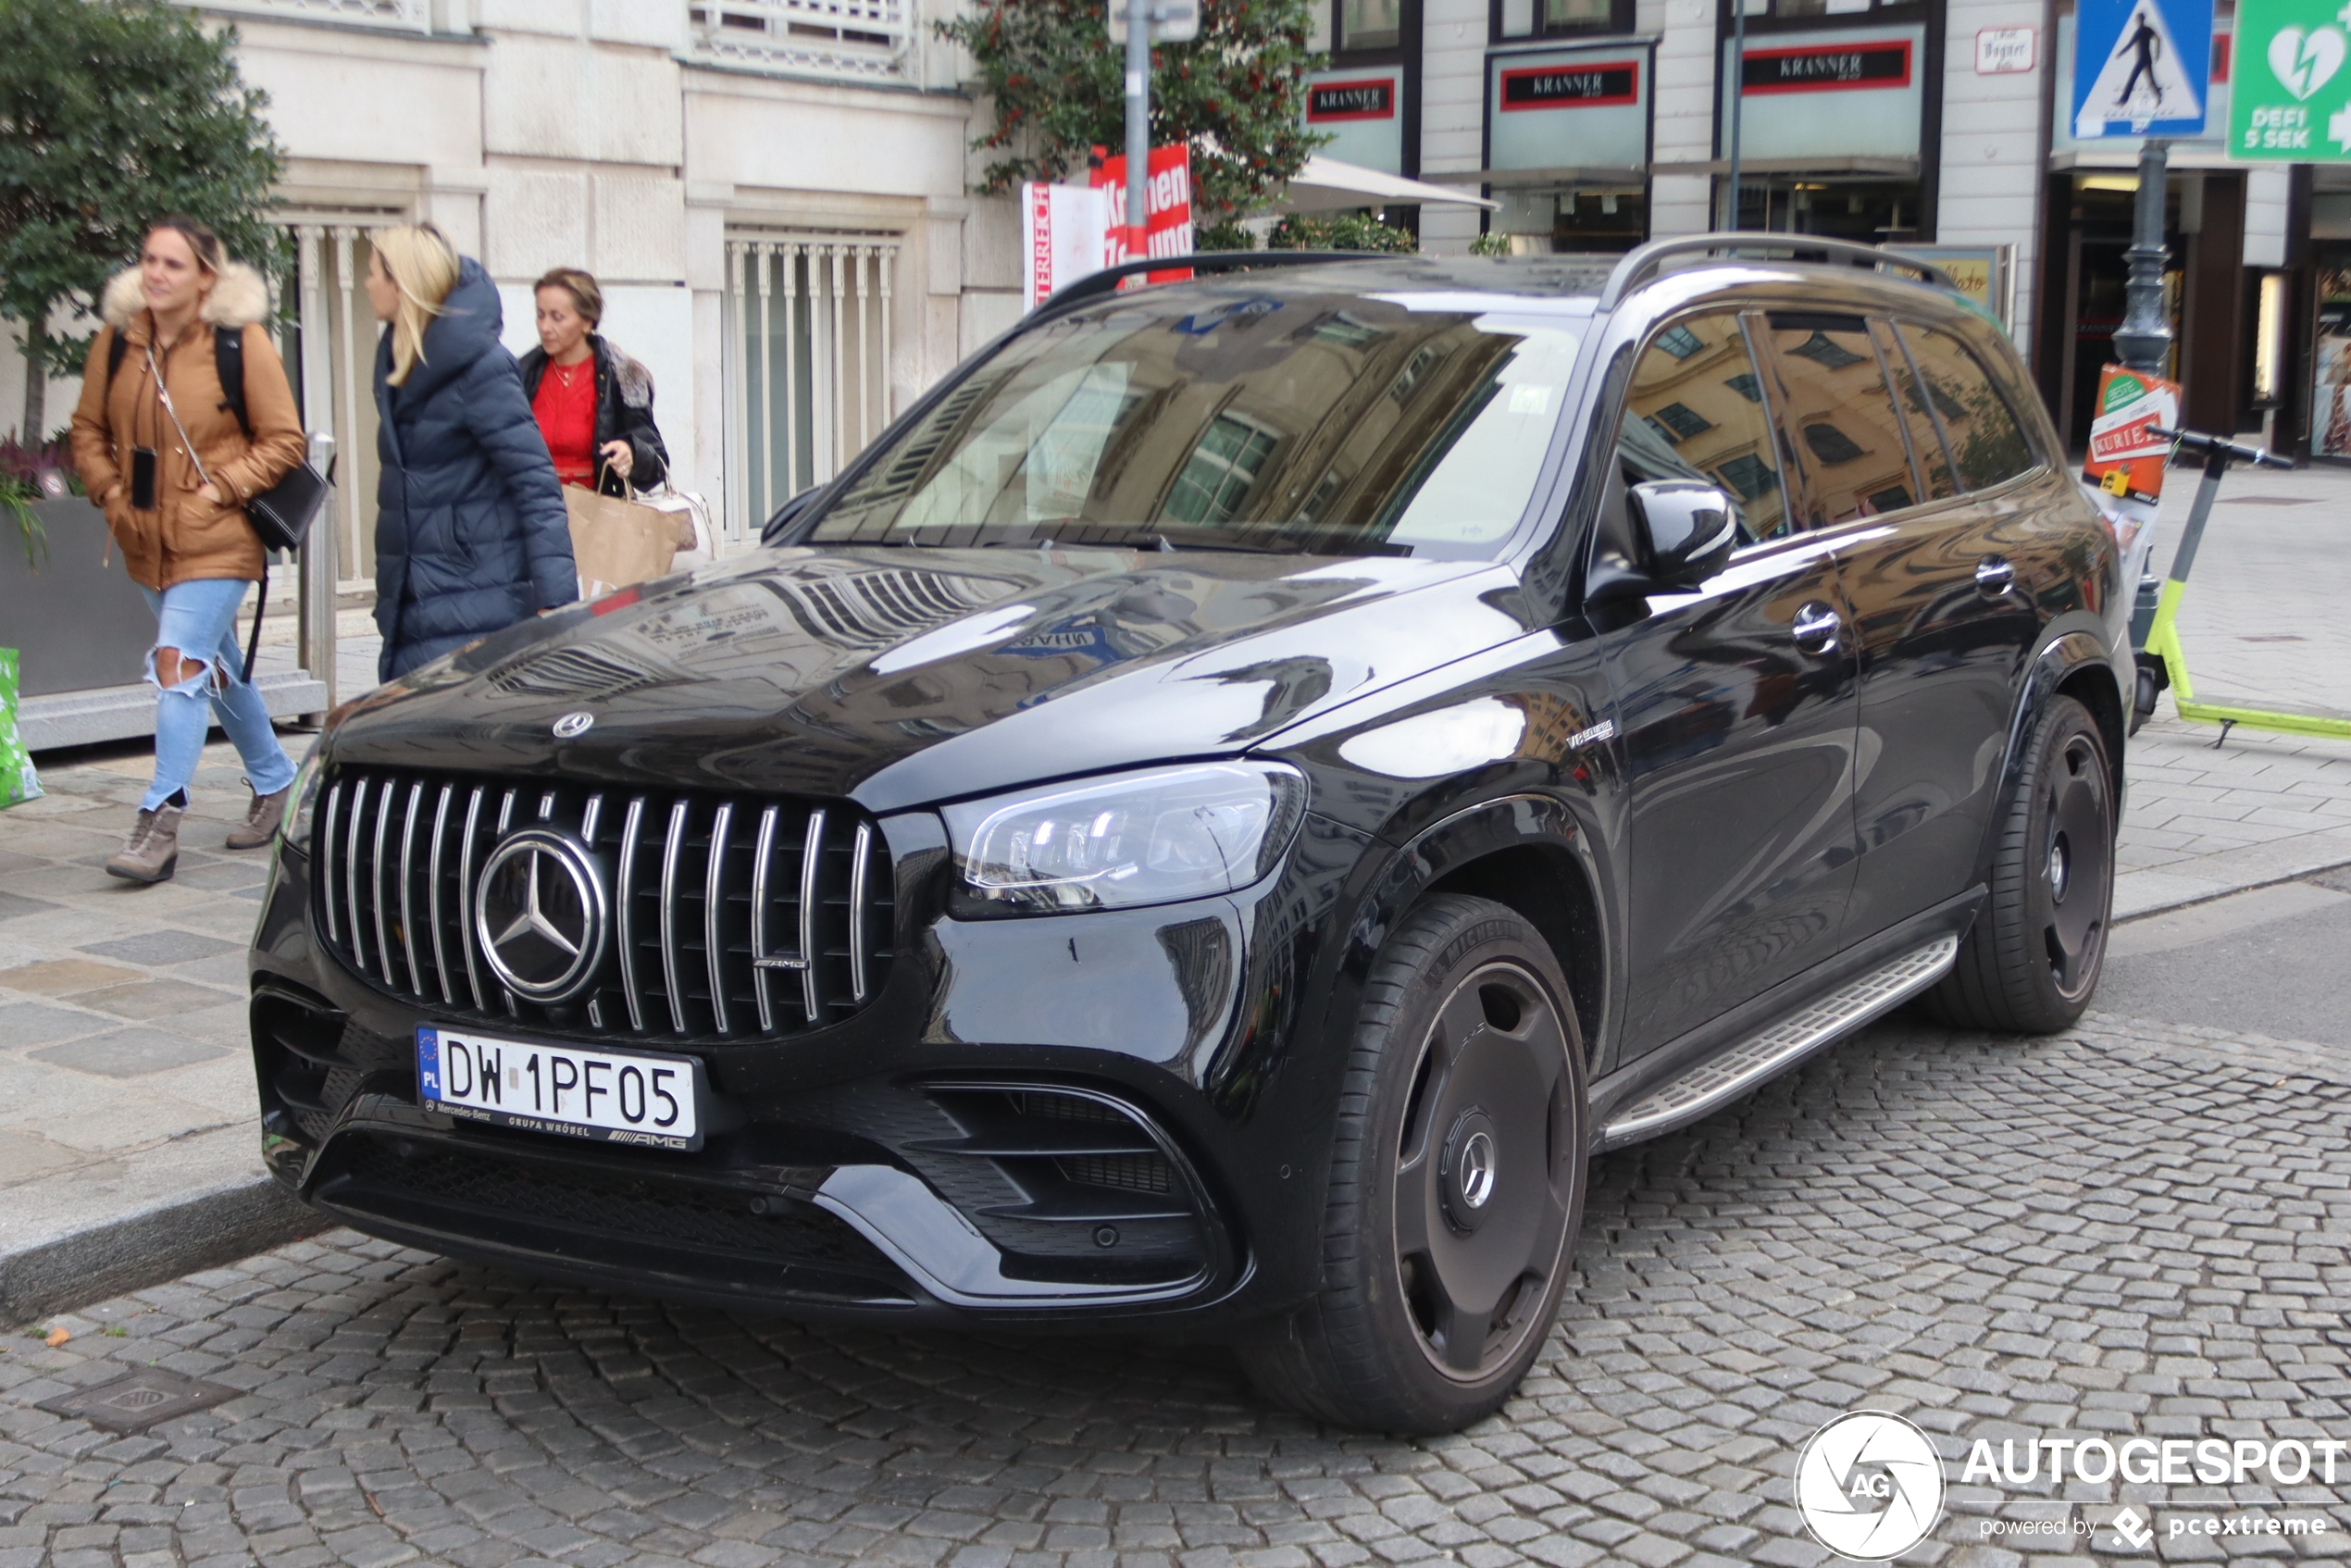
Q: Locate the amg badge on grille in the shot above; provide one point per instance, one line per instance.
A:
(571, 725)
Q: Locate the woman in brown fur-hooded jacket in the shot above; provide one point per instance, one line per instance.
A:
(178, 515)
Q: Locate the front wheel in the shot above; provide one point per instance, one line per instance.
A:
(1456, 1187)
(2034, 958)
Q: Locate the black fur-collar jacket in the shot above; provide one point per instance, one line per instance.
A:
(624, 412)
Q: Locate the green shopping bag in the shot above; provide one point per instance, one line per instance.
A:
(18, 783)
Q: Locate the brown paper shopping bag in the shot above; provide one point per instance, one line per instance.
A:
(616, 542)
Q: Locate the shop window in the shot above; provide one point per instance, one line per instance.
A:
(1684, 420)
(1583, 219)
(1982, 430)
(1371, 24)
(1854, 450)
(1536, 18)
(1794, 9)
(1574, 16)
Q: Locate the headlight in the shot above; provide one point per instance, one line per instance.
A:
(302, 801)
(1155, 837)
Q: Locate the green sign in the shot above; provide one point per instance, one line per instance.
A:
(2290, 99)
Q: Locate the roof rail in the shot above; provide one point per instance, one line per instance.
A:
(1643, 262)
(1098, 283)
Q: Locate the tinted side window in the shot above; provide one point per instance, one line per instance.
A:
(1694, 411)
(1985, 438)
(1847, 433)
(1910, 396)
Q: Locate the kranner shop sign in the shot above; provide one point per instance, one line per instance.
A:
(1845, 67)
(1372, 99)
(1576, 87)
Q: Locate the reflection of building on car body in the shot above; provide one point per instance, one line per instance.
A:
(1222, 810)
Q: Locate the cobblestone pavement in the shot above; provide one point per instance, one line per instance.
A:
(2132, 1229)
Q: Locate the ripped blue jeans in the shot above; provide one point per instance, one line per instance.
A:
(199, 618)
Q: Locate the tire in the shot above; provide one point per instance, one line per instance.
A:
(1456, 1182)
(2034, 958)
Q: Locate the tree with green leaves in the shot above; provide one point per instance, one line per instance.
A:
(1236, 94)
(113, 112)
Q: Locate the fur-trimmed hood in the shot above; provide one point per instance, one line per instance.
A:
(240, 298)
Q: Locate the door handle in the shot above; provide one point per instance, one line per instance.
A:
(1815, 628)
(1994, 576)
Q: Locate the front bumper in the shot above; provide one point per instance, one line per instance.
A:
(1047, 1121)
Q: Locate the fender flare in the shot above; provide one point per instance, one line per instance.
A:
(1525, 818)
(2060, 659)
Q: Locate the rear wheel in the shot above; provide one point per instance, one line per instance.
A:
(2034, 958)
(1456, 1182)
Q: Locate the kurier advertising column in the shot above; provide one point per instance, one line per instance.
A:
(2291, 103)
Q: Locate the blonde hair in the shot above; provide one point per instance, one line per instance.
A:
(422, 265)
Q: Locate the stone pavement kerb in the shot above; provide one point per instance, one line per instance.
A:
(128, 1134)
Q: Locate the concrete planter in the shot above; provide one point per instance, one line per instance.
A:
(77, 624)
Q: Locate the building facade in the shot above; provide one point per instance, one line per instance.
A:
(1940, 124)
(777, 193)
(771, 192)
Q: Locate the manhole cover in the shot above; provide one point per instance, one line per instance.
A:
(138, 1401)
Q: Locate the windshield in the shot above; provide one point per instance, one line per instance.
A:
(1324, 424)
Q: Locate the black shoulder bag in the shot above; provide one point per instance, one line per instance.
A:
(282, 514)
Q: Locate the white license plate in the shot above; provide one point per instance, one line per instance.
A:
(605, 1096)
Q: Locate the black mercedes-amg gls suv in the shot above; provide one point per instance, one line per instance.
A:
(1223, 811)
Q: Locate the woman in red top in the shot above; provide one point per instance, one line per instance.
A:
(594, 404)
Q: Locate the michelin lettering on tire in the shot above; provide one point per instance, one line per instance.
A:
(1869, 1486)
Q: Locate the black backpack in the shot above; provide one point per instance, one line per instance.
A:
(227, 363)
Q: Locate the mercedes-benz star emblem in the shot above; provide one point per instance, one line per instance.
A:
(540, 915)
(572, 725)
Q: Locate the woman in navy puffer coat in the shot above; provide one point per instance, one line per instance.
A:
(471, 535)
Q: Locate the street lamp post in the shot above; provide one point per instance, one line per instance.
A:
(2144, 341)
(1738, 93)
(1138, 124)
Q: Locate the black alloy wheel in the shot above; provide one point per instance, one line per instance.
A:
(2034, 958)
(1456, 1182)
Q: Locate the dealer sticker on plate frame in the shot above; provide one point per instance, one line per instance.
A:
(603, 1096)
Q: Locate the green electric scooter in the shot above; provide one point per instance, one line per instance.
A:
(2163, 655)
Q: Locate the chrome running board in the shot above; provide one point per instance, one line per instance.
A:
(1723, 1078)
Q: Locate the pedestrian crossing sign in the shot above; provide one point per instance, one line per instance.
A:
(2141, 67)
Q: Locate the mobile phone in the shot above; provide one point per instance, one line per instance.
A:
(142, 479)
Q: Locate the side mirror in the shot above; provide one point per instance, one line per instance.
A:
(1688, 529)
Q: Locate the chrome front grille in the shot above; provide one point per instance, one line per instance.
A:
(732, 916)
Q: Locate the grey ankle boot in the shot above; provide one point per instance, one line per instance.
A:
(151, 852)
(261, 820)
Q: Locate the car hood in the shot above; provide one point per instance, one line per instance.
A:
(900, 677)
